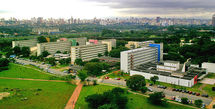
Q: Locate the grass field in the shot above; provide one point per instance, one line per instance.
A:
(113, 75)
(53, 95)
(19, 71)
(211, 75)
(135, 101)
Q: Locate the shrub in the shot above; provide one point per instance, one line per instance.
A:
(184, 100)
(198, 103)
(144, 89)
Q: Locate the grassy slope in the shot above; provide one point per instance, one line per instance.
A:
(19, 71)
(54, 95)
(135, 101)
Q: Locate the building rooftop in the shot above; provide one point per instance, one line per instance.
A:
(138, 49)
(151, 68)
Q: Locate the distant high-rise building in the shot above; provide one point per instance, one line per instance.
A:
(213, 20)
(158, 20)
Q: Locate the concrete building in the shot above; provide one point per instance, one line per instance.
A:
(168, 66)
(213, 20)
(110, 43)
(187, 79)
(132, 58)
(59, 56)
(135, 44)
(87, 52)
(79, 41)
(25, 43)
(53, 47)
(209, 66)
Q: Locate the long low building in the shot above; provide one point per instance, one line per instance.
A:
(187, 79)
(25, 43)
(87, 52)
(53, 47)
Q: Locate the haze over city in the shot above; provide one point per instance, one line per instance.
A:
(88, 9)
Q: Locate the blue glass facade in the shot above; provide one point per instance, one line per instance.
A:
(158, 47)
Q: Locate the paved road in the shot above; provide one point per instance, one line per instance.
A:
(44, 67)
(167, 92)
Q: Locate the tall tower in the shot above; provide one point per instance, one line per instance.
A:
(213, 20)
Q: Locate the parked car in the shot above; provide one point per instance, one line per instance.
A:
(117, 78)
(190, 92)
(204, 95)
(180, 90)
(150, 90)
(150, 84)
(193, 93)
(183, 91)
(106, 77)
(197, 94)
(174, 89)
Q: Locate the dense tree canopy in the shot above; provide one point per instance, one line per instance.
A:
(136, 82)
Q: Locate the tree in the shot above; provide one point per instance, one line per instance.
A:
(95, 68)
(25, 51)
(94, 60)
(45, 53)
(108, 106)
(198, 103)
(156, 98)
(100, 55)
(79, 61)
(65, 61)
(106, 53)
(118, 91)
(4, 64)
(144, 89)
(136, 82)
(58, 51)
(95, 100)
(184, 100)
(51, 61)
(82, 74)
(17, 50)
(41, 39)
(154, 79)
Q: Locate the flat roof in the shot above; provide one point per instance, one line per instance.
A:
(138, 49)
(170, 61)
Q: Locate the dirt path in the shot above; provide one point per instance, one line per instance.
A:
(32, 79)
(73, 99)
(201, 88)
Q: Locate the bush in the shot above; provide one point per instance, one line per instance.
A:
(184, 100)
(108, 106)
(144, 89)
(214, 106)
(198, 103)
(118, 91)
(156, 98)
(94, 82)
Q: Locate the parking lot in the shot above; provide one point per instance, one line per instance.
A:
(42, 66)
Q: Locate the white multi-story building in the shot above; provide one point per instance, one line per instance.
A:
(110, 43)
(132, 58)
(53, 47)
(87, 52)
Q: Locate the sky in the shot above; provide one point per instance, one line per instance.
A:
(88, 9)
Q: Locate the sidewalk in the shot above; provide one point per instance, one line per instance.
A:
(73, 99)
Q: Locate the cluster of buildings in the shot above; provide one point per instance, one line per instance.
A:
(70, 47)
(108, 21)
(146, 59)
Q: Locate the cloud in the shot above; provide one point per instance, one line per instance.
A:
(161, 7)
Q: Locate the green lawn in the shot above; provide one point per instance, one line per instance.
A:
(54, 95)
(112, 75)
(135, 101)
(208, 89)
(19, 71)
(211, 75)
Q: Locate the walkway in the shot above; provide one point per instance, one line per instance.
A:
(73, 99)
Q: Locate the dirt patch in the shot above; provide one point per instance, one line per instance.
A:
(4, 94)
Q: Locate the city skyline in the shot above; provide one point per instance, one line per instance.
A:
(88, 9)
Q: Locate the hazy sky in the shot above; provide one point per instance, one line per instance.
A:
(106, 8)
